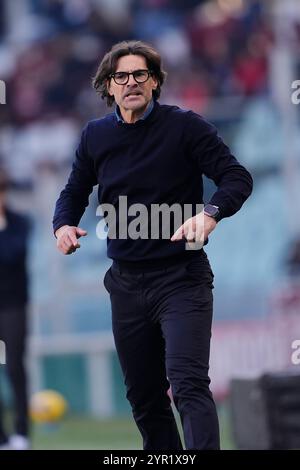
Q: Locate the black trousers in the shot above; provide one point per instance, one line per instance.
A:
(162, 328)
(13, 333)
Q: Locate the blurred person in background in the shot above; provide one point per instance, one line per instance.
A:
(161, 292)
(14, 233)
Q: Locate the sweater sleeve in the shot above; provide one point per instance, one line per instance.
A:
(214, 159)
(74, 198)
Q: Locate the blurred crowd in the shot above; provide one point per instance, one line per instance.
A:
(211, 49)
(218, 55)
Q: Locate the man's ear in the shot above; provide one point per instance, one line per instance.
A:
(108, 87)
(155, 83)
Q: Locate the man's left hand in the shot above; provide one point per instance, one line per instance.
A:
(195, 229)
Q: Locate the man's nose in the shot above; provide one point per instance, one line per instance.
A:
(131, 81)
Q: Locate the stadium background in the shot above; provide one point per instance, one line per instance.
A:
(232, 61)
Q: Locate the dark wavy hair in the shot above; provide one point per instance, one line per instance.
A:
(109, 63)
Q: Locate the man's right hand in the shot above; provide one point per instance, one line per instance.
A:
(67, 238)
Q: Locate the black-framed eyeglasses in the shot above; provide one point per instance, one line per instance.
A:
(140, 76)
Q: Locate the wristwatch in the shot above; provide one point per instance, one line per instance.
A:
(212, 211)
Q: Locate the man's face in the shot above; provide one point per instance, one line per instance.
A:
(132, 96)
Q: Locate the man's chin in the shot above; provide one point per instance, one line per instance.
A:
(136, 107)
(134, 102)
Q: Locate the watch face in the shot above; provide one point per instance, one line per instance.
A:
(211, 210)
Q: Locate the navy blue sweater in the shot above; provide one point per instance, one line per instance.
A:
(157, 160)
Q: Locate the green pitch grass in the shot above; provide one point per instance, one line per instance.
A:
(92, 434)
